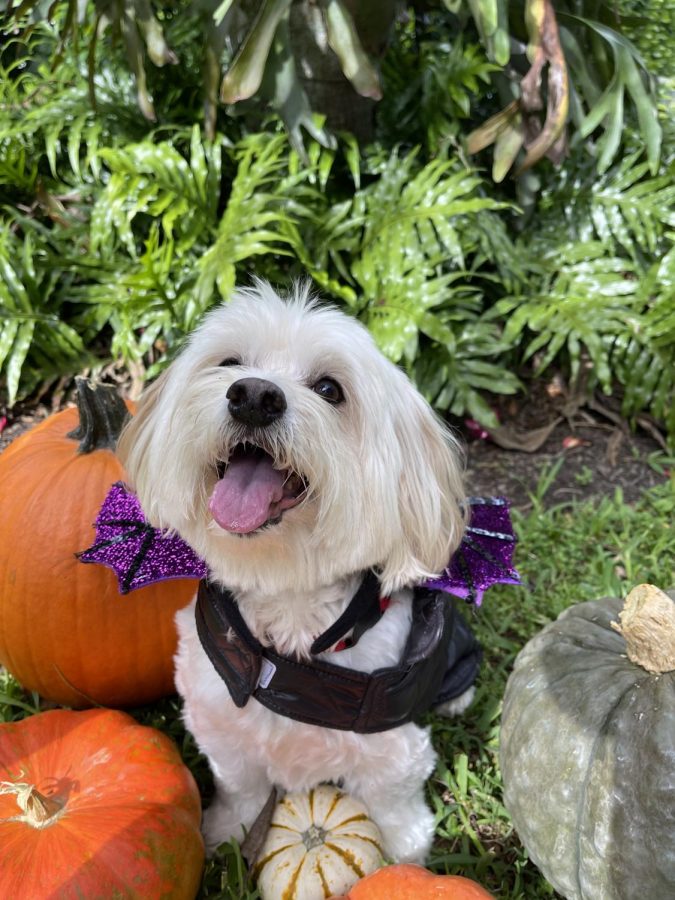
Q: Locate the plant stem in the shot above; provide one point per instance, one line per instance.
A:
(38, 809)
(648, 626)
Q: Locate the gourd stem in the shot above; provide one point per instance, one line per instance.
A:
(648, 627)
(102, 414)
(37, 809)
(314, 836)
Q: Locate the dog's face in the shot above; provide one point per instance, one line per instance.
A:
(290, 453)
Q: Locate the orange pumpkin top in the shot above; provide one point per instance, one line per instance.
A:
(409, 882)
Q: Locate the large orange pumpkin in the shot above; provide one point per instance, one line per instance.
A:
(408, 882)
(65, 630)
(94, 805)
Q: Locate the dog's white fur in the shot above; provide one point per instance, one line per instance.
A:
(385, 491)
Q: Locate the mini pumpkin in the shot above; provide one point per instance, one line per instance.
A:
(94, 805)
(587, 748)
(318, 844)
(65, 631)
(409, 882)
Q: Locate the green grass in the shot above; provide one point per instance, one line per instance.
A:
(566, 554)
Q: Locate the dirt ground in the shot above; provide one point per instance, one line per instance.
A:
(586, 448)
(590, 446)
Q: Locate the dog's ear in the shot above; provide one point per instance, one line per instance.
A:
(431, 499)
(134, 444)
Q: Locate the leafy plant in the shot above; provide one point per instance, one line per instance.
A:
(629, 78)
(48, 114)
(600, 284)
(160, 243)
(645, 364)
(405, 255)
(266, 201)
(584, 299)
(139, 237)
(117, 239)
(430, 85)
(589, 67)
(30, 321)
(645, 22)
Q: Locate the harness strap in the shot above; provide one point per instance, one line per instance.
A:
(362, 612)
(320, 693)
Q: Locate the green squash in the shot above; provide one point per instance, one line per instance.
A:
(588, 749)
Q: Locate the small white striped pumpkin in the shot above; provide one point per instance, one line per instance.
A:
(319, 844)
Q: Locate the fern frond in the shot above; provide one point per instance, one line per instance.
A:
(430, 202)
(658, 290)
(631, 209)
(413, 211)
(644, 363)
(47, 110)
(412, 253)
(457, 375)
(430, 84)
(626, 208)
(156, 180)
(32, 333)
(584, 299)
(266, 201)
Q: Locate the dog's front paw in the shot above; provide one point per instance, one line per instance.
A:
(220, 823)
(408, 837)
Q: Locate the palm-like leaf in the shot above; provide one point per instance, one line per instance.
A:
(48, 111)
(457, 375)
(644, 363)
(625, 209)
(429, 86)
(585, 299)
(157, 180)
(31, 331)
(264, 204)
(408, 252)
(631, 209)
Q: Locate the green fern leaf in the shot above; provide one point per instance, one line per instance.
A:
(265, 202)
(585, 299)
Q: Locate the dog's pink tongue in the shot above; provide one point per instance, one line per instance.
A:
(241, 501)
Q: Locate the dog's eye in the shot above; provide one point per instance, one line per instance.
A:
(230, 361)
(329, 389)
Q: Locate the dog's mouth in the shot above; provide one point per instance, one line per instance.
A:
(251, 493)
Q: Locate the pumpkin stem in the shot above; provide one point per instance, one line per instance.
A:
(314, 836)
(648, 626)
(102, 415)
(38, 810)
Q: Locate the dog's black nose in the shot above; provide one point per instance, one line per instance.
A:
(255, 401)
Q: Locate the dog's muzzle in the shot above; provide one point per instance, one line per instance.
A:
(256, 402)
(251, 493)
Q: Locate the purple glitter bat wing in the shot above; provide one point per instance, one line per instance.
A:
(485, 555)
(138, 553)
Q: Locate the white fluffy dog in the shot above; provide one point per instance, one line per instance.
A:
(292, 456)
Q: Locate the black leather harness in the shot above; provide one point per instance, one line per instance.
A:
(440, 661)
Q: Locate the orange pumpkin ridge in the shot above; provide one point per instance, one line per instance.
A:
(65, 630)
